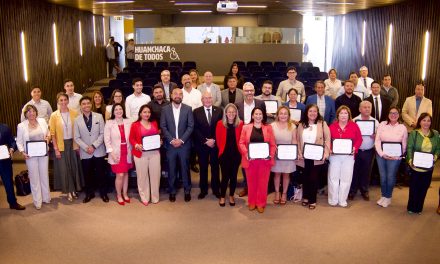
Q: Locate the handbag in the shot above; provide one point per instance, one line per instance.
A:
(22, 183)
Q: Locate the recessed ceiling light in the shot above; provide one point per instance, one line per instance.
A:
(191, 4)
(137, 10)
(196, 11)
(334, 3)
(252, 6)
(114, 2)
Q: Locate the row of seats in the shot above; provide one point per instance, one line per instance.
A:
(163, 64)
(274, 64)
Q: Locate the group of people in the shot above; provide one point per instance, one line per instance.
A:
(336, 134)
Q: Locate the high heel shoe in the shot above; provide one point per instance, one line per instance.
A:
(220, 203)
(70, 197)
(277, 198)
(127, 200)
(231, 201)
(120, 200)
(283, 199)
(74, 195)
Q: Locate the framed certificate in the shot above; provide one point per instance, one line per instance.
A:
(313, 151)
(4, 152)
(36, 148)
(359, 94)
(393, 149)
(287, 152)
(342, 146)
(151, 142)
(259, 150)
(271, 106)
(367, 127)
(295, 114)
(423, 160)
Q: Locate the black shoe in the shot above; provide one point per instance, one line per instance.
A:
(104, 198)
(172, 198)
(195, 169)
(366, 196)
(201, 196)
(222, 204)
(88, 198)
(17, 206)
(350, 196)
(187, 197)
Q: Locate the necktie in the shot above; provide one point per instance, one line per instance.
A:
(365, 82)
(209, 115)
(376, 108)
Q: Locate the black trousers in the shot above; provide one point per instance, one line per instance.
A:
(229, 166)
(209, 156)
(312, 174)
(418, 187)
(363, 164)
(94, 175)
(6, 175)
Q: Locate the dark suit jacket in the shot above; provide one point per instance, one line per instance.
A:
(171, 87)
(330, 112)
(386, 104)
(203, 130)
(185, 126)
(7, 139)
(258, 103)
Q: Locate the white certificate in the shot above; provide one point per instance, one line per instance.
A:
(4, 152)
(342, 146)
(393, 149)
(423, 160)
(151, 142)
(313, 151)
(295, 114)
(259, 150)
(287, 152)
(359, 94)
(367, 127)
(271, 106)
(36, 148)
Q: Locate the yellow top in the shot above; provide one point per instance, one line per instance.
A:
(56, 128)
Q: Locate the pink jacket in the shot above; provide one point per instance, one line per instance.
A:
(245, 138)
(112, 140)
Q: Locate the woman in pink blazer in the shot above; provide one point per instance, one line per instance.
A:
(116, 135)
(257, 170)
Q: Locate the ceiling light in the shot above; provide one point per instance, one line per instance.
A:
(114, 2)
(137, 10)
(23, 57)
(192, 4)
(333, 3)
(196, 11)
(252, 6)
(425, 55)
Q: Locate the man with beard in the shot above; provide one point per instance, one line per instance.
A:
(177, 124)
(349, 99)
(267, 95)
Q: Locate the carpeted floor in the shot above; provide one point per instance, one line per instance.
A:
(202, 232)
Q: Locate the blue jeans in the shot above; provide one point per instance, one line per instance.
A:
(387, 171)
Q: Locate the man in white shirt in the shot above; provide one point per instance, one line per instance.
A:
(209, 86)
(73, 97)
(111, 58)
(364, 80)
(267, 95)
(43, 106)
(364, 158)
(134, 101)
(191, 97)
(290, 83)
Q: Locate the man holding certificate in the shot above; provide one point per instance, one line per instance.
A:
(346, 140)
(205, 120)
(364, 159)
(32, 138)
(257, 147)
(272, 102)
(89, 135)
(145, 141)
(423, 151)
(390, 145)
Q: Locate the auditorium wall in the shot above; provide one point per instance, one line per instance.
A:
(35, 19)
(410, 22)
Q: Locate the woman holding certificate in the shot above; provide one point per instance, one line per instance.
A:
(346, 139)
(285, 134)
(423, 150)
(116, 135)
(257, 147)
(67, 168)
(390, 144)
(146, 157)
(293, 103)
(227, 132)
(314, 132)
(116, 98)
(30, 134)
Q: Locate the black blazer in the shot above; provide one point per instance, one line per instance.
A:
(386, 104)
(203, 130)
(7, 139)
(258, 103)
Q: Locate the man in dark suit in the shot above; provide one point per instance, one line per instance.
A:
(325, 104)
(7, 140)
(205, 120)
(244, 112)
(381, 104)
(166, 84)
(177, 124)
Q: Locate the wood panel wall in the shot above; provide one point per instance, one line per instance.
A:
(35, 18)
(410, 21)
